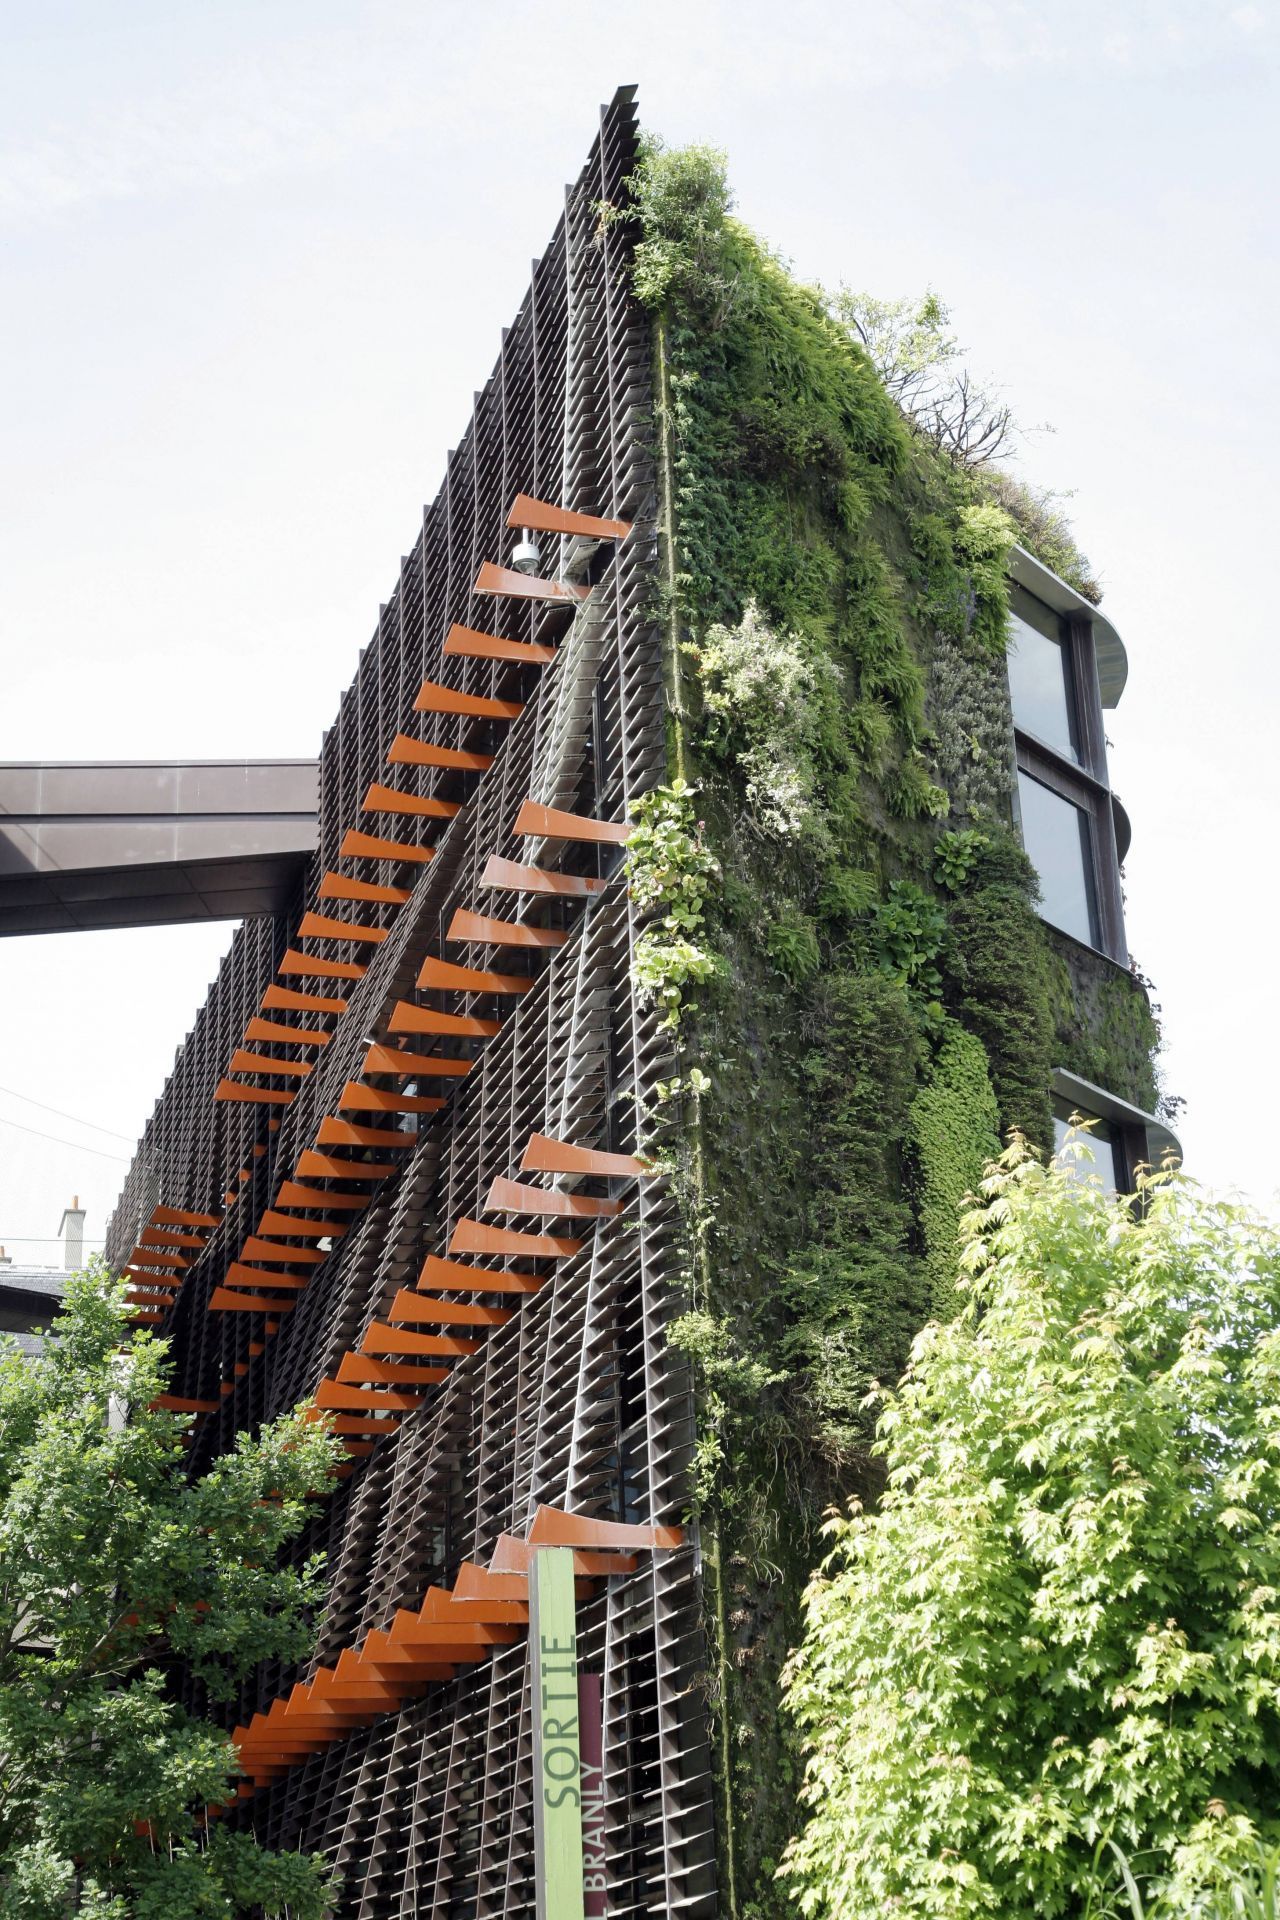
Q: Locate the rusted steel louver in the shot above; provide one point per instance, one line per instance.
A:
(291, 1000)
(473, 1236)
(407, 752)
(447, 975)
(550, 823)
(292, 1194)
(465, 641)
(438, 1066)
(526, 586)
(486, 1609)
(513, 877)
(308, 966)
(327, 1166)
(282, 1031)
(179, 1217)
(380, 799)
(333, 1132)
(319, 926)
(284, 1223)
(237, 1091)
(545, 1155)
(543, 517)
(370, 846)
(435, 698)
(456, 1276)
(245, 1062)
(356, 1098)
(481, 930)
(339, 886)
(509, 1196)
(408, 1018)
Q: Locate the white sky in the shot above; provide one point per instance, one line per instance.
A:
(257, 257)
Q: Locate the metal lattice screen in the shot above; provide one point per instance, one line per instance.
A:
(575, 1401)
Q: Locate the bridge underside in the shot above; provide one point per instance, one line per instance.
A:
(124, 844)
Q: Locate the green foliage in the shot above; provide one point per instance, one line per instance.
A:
(732, 1382)
(670, 873)
(848, 893)
(1063, 1621)
(682, 197)
(112, 1562)
(1245, 1889)
(954, 1133)
(908, 934)
(853, 1293)
(772, 704)
(829, 563)
(998, 984)
(970, 727)
(792, 943)
(956, 855)
(1106, 1026)
(1043, 528)
(920, 364)
(983, 537)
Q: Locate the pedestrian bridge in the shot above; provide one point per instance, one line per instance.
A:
(142, 843)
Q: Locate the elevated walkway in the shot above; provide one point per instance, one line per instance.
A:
(147, 843)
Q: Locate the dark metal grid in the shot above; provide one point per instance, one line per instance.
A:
(576, 1401)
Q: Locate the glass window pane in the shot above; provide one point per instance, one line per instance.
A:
(1040, 687)
(1104, 1139)
(1055, 834)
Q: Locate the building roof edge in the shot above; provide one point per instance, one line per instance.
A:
(1113, 661)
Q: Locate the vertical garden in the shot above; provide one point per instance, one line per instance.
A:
(844, 934)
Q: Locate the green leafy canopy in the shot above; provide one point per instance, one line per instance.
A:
(1062, 1624)
(114, 1563)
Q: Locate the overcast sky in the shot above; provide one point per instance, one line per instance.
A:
(257, 257)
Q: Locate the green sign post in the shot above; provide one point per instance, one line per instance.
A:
(557, 1737)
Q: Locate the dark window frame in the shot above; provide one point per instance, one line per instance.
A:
(1042, 620)
(1081, 781)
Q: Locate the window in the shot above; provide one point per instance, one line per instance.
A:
(1067, 818)
(1055, 833)
(1108, 1150)
(1041, 684)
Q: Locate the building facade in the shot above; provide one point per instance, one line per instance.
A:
(399, 1166)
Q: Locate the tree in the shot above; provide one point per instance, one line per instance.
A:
(921, 365)
(1062, 1624)
(114, 1563)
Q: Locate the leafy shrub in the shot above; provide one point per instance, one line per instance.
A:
(1063, 1622)
(670, 873)
(955, 857)
(769, 699)
(793, 947)
(848, 893)
(908, 934)
(682, 197)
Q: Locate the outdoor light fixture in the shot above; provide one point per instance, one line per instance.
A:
(526, 558)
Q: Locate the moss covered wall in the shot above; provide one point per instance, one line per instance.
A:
(874, 997)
